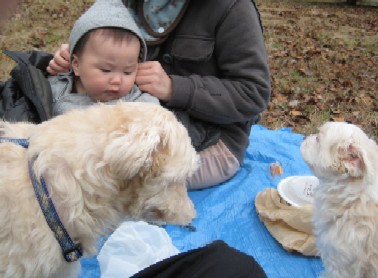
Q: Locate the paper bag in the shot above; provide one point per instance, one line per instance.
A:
(290, 226)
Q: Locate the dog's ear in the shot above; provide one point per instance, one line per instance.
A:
(353, 161)
(132, 152)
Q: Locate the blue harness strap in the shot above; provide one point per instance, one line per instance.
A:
(71, 251)
(19, 141)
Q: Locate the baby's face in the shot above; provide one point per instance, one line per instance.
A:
(106, 68)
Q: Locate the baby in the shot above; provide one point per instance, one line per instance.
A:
(106, 47)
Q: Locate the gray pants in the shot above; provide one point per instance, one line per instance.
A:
(218, 164)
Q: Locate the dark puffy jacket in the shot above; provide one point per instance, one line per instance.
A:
(217, 61)
(26, 96)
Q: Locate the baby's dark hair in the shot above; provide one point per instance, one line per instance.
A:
(117, 34)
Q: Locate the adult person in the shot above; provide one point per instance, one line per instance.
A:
(207, 62)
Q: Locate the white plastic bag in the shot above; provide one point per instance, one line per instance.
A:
(132, 247)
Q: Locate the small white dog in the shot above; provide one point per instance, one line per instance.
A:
(101, 166)
(345, 217)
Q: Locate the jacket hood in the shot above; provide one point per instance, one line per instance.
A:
(106, 13)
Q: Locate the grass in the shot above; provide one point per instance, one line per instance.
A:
(323, 57)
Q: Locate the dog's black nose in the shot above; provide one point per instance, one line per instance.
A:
(190, 227)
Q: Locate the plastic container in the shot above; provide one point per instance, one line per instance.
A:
(298, 190)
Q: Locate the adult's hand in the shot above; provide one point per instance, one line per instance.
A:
(152, 78)
(61, 61)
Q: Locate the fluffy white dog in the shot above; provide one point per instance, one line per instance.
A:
(101, 166)
(346, 201)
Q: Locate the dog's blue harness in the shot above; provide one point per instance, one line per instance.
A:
(22, 142)
(71, 251)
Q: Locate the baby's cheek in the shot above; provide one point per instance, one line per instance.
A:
(96, 84)
(127, 85)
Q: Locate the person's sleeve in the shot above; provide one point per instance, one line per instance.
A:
(244, 89)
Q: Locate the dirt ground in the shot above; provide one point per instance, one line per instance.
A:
(323, 57)
(324, 64)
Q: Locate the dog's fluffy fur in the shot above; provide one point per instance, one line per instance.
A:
(346, 201)
(102, 165)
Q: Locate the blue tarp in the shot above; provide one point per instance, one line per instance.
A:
(227, 211)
